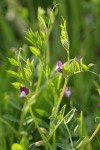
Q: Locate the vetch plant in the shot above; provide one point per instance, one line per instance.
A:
(23, 91)
(43, 90)
(59, 66)
(67, 92)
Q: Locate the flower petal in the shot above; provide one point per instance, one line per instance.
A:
(23, 94)
(60, 64)
(25, 89)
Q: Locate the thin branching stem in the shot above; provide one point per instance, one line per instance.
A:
(94, 133)
(40, 77)
(81, 123)
(70, 137)
(46, 143)
(61, 95)
(58, 87)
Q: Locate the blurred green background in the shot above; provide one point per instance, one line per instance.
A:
(83, 24)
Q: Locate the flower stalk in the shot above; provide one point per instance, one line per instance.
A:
(61, 95)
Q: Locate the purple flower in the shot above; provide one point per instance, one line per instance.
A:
(45, 30)
(99, 105)
(59, 66)
(23, 91)
(78, 59)
(67, 92)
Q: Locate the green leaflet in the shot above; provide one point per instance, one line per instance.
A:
(16, 146)
(28, 70)
(15, 74)
(35, 51)
(64, 36)
(24, 142)
(55, 123)
(17, 85)
(13, 62)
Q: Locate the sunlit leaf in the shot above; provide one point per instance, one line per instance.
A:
(35, 50)
(13, 62)
(17, 85)
(24, 142)
(14, 74)
(77, 66)
(64, 36)
(16, 146)
(85, 67)
(42, 24)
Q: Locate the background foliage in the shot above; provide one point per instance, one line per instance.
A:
(83, 26)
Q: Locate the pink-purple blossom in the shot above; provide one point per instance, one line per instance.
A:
(59, 66)
(23, 91)
(67, 92)
(99, 105)
(78, 59)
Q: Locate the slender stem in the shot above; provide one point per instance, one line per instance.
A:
(46, 143)
(40, 77)
(94, 133)
(61, 95)
(54, 141)
(81, 123)
(58, 87)
(47, 51)
(68, 58)
(56, 97)
(92, 136)
(70, 137)
(34, 119)
(59, 82)
(23, 114)
(36, 123)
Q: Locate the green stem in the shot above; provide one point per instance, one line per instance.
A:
(70, 137)
(68, 58)
(61, 95)
(54, 141)
(40, 77)
(47, 51)
(92, 136)
(23, 114)
(81, 123)
(34, 119)
(56, 97)
(46, 143)
(94, 133)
